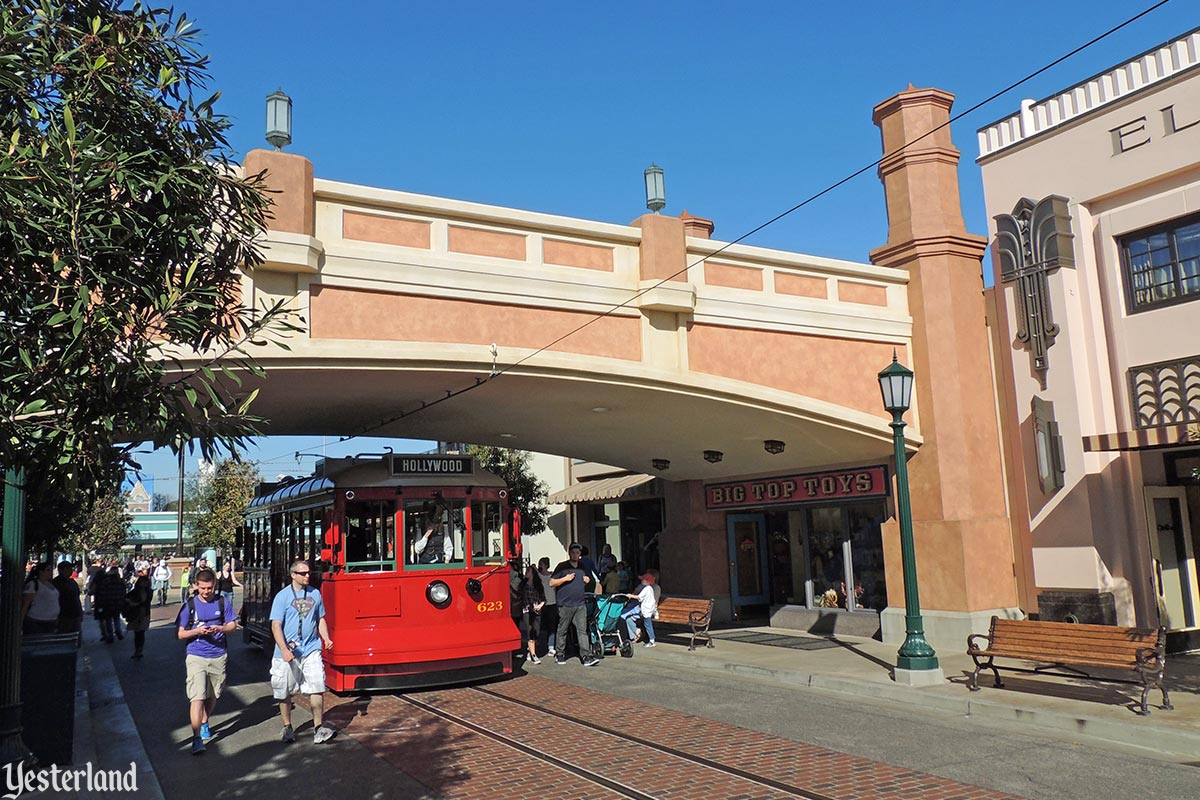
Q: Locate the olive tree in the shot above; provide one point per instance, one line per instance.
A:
(526, 491)
(219, 502)
(124, 232)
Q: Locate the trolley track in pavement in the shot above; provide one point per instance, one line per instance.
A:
(691, 760)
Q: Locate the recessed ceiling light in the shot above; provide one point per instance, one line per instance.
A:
(507, 435)
(600, 409)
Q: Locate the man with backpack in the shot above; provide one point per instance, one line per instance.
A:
(203, 622)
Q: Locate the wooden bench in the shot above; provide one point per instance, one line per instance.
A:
(696, 613)
(1066, 645)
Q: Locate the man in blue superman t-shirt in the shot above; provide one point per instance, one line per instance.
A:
(299, 629)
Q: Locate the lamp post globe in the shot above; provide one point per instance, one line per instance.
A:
(279, 119)
(916, 654)
(656, 193)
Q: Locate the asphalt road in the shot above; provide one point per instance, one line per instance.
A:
(1000, 756)
(247, 760)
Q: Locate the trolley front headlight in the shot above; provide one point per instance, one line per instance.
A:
(438, 593)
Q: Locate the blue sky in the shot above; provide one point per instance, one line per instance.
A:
(558, 107)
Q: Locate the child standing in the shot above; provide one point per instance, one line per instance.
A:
(646, 608)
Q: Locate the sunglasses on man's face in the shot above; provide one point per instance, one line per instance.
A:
(298, 572)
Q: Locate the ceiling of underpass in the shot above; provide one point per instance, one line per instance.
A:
(605, 419)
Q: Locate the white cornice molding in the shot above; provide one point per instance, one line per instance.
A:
(1037, 117)
(442, 207)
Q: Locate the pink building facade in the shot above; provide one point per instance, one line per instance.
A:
(1094, 200)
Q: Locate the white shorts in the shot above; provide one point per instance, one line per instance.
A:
(298, 676)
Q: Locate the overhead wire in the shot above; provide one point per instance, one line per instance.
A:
(481, 381)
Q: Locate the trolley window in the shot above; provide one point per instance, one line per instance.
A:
(434, 534)
(487, 533)
(370, 536)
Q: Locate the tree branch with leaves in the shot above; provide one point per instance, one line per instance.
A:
(526, 491)
(125, 230)
(220, 500)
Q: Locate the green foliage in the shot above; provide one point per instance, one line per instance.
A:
(124, 230)
(525, 490)
(220, 500)
(102, 528)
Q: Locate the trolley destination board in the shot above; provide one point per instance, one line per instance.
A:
(431, 465)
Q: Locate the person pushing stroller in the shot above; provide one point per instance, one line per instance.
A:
(646, 607)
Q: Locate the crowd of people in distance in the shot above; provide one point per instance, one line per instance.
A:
(54, 604)
(549, 605)
(120, 598)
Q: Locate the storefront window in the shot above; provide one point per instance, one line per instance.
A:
(826, 561)
(607, 529)
(866, 555)
(780, 559)
(843, 558)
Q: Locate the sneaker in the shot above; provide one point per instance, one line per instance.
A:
(323, 734)
(550, 651)
(560, 661)
(289, 735)
(198, 746)
(650, 643)
(534, 660)
(591, 662)
(205, 734)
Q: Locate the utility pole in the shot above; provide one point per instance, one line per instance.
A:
(179, 507)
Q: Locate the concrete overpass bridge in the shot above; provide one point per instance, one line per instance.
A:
(620, 344)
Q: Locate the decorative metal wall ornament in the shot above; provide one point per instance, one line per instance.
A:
(1166, 393)
(1031, 242)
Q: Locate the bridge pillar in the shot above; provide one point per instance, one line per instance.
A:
(291, 253)
(960, 520)
(290, 178)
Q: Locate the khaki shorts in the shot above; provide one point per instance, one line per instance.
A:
(298, 676)
(205, 677)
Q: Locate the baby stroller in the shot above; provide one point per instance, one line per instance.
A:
(605, 628)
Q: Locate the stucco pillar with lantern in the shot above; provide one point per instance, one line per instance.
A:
(961, 529)
(292, 253)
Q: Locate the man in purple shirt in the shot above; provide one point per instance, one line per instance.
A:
(203, 622)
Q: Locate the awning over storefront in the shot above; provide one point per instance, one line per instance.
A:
(622, 487)
(1144, 438)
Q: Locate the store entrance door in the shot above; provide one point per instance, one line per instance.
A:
(1174, 561)
(748, 559)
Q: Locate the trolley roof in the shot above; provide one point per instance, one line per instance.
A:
(392, 469)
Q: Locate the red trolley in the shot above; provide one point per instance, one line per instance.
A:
(413, 554)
